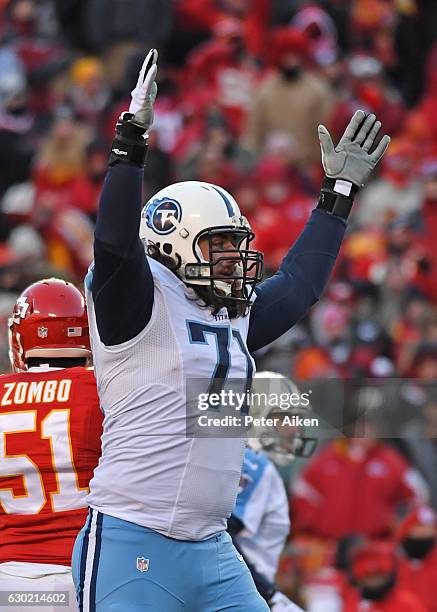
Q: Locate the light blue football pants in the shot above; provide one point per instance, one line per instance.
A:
(122, 567)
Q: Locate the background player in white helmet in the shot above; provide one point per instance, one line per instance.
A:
(260, 521)
(275, 395)
(194, 308)
(50, 428)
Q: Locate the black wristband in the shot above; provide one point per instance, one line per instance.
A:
(337, 197)
(129, 145)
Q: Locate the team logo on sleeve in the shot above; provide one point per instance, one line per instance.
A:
(142, 564)
(163, 215)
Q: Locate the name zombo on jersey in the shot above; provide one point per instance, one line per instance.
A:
(238, 400)
(38, 392)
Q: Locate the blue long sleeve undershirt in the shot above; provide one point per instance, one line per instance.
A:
(122, 284)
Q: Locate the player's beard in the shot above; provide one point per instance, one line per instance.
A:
(204, 294)
(210, 299)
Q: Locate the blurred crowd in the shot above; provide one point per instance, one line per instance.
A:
(243, 85)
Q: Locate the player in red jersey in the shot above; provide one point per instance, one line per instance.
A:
(50, 428)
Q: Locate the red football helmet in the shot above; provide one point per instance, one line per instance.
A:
(49, 320)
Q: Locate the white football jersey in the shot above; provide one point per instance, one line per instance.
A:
(150, 473)
(262, 507)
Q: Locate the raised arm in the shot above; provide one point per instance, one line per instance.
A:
(122, 284)
(286, 297)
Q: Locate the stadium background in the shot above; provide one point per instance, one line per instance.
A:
(243, 85)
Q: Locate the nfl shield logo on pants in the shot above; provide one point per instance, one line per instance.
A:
(142, 564)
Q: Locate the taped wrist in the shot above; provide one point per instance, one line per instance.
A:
(129, 145)
(337, 196)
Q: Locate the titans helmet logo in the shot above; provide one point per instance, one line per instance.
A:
(163, 215)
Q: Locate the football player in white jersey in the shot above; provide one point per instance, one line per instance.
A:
(260, 523)
(174, 295)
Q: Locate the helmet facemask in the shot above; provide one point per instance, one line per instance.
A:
(237, 285)
(284, 443)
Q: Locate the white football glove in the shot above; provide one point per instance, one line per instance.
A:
(144, 94)
(350, 160)
(280, 603)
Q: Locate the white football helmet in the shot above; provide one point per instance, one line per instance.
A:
(275, 395)
(178, 216)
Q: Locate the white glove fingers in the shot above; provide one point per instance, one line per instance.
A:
(353, 126)
(145, 99)
(149, 62)
(144, 116)
(153, 92)
(372, 136)
(144, 94)
(365, 129)
(149, 80)
(380, 149)
(153, 58)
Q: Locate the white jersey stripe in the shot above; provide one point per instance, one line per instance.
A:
(89, 563)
